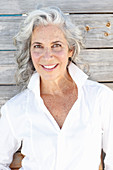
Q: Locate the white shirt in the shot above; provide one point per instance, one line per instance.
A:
(76, 146)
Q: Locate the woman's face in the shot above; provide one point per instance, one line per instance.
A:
(49, 52)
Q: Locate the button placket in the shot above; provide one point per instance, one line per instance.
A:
(60, 151)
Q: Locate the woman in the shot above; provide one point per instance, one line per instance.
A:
(62, 118)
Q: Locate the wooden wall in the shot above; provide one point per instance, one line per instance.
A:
(96, 18)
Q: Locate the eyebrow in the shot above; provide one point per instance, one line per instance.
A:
(36, 43)
(51, 43)
(57, 42)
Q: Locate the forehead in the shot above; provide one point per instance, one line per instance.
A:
(49, 32)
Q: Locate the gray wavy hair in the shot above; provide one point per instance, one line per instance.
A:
(42, 16)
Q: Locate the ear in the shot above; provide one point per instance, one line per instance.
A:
(71, 51)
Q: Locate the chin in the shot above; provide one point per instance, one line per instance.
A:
(50, 77)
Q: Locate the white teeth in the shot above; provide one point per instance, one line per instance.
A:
(49, 67)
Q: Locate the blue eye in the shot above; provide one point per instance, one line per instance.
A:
(56, 45)
(38, 46)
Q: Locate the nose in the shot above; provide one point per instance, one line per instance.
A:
(47, 53)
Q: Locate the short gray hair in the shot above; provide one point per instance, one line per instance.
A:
(43, 16)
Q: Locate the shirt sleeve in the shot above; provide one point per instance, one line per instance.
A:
(9, 144)
(107, 126)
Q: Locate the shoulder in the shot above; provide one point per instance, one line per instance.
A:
(16, 105)
(97, 86)
(13, 112)
(99, 90)
(18, 99)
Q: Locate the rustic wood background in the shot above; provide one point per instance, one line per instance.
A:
(96, 20)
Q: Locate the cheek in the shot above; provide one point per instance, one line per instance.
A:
(62, 54)
(35, 58)
(35, 55)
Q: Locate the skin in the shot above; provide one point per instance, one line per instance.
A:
(50, 53)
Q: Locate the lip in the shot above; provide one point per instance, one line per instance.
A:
(49, 67)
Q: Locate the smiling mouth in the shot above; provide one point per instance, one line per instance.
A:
(49, 67)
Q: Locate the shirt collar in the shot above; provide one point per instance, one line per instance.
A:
(77, 75)
(34, 83)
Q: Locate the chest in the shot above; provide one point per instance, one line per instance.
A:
(59, 106)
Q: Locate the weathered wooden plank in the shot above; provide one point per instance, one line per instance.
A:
(9, 27)
(6, 92)
(7, 58)
(7, 74)
(7, 67)
(96, 30)
(73, 6)
(97, 63)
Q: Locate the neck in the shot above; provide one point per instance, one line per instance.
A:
(56, 87)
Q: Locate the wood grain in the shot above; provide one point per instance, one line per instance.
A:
(72, 6)
(98, 64)
(95, 28)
